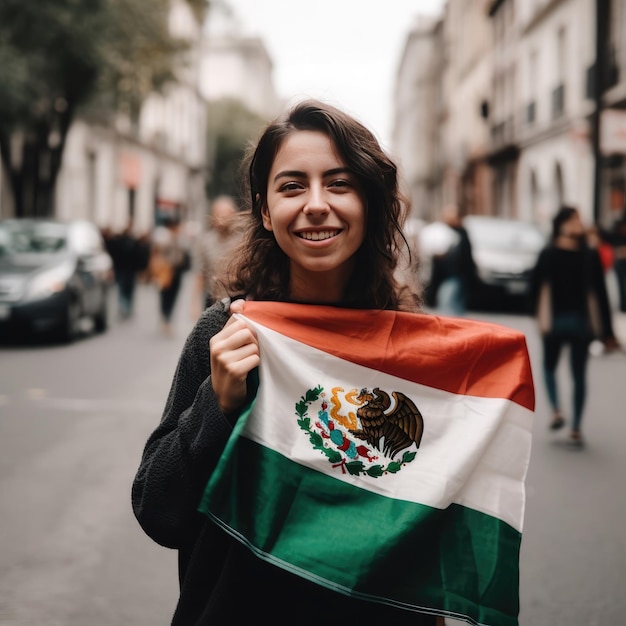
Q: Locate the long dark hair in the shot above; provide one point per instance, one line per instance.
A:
(261, 268)
(564, 214)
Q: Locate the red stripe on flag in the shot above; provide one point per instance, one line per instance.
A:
(461, 356)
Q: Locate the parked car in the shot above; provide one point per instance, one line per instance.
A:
(505, 252)
(52, 275)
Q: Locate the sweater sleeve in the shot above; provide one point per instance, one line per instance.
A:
(183, 450)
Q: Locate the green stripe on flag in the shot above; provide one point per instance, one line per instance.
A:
(456, 561)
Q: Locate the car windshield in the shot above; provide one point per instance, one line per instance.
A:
(32, 238)
(505, 235)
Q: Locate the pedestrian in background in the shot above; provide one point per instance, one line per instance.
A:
(572, 307)
(129, 260)
(325, 227)
(212, 253)
(168, 261)
(453, 269)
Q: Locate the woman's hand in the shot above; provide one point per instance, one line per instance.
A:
(234, 353)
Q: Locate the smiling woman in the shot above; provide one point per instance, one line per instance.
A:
(324, 227)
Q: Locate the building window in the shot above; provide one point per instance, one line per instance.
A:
(558, 94)
(558, 101)
(558, 186)
(534, 197)
(531, 108)
(561, 52)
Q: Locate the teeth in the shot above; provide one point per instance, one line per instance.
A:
(325, 234)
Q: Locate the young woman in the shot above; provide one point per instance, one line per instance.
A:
(572, 306)
(324, 227)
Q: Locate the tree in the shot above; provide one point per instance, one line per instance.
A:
(231, 128)
(58, 57)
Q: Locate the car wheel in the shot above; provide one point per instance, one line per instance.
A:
(69, 325)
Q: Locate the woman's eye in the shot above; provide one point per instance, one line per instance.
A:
(340, 182)
(290, 186)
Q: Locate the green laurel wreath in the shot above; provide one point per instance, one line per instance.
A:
(355, 468)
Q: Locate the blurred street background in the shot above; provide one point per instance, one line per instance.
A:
(122, 122)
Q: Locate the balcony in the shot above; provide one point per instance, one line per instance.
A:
(503, 132)
(503, 142)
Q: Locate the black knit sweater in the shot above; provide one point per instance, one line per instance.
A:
(221, 581)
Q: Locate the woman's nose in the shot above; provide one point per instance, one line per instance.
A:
(316, 201)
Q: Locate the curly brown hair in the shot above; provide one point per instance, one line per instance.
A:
(260, 269)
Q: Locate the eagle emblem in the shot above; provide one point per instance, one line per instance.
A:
(354, 429)
(399, 427)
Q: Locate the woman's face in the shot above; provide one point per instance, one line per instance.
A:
(316, 211)
(573, 227)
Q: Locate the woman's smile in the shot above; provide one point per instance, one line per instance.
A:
(322, 235)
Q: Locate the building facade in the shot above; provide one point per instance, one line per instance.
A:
(516, 122)
(468, 76)
(555, 48)
(504, 113)
(236, 65)
(441, 132)
(139, 171)
(120, 171)
(415, 136)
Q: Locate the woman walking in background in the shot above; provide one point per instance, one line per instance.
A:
(572, 307)
(168, 261)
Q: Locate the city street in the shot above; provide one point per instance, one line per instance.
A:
(73, 422)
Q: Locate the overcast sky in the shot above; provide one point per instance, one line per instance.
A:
(345, 52)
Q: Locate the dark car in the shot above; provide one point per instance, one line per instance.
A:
(52, 276)
(505, 252)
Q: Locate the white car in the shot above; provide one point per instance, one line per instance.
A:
(505, 252)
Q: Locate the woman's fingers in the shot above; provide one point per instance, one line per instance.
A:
(236, 333)
(234, 352)
(236, 306)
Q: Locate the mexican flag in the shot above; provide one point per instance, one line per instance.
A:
(384, 457)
